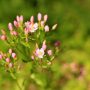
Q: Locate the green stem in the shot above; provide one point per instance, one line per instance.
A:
(14, 77)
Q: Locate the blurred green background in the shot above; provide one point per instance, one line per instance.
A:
(73, 19)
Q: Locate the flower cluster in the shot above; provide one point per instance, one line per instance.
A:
(29, 39)
(8, 59)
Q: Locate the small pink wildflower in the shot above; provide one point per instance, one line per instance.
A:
(39, 53)
(31, 27)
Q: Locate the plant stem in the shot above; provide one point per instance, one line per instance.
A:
(14, 77)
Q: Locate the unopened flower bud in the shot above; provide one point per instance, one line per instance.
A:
(8, 60)
(17, 18)
(14, 33)
(49, 52)
(57, 44)
(46, 28)
(32, 19)
(3, 37)
(45, 17)
(44, 45)
(39, 16)
(15, 23)
(42, 23)
(10, 26)
(10, 51)
(32, 57)
(21, 18)
(54, 27)
(14, 55)
(10, 65)
(1, 56)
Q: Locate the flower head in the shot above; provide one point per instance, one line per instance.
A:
(39, 53)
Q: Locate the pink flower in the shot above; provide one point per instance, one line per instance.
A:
(39, 16)
(3, 37)
(10, 26)
(35, 27)
(39, 53)
(1, 56)
(31, 27)
(49, 52)
(19, 19)
(46, 28)
(45, 17)
(14, 55)
(44, 45)
(8, 60)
